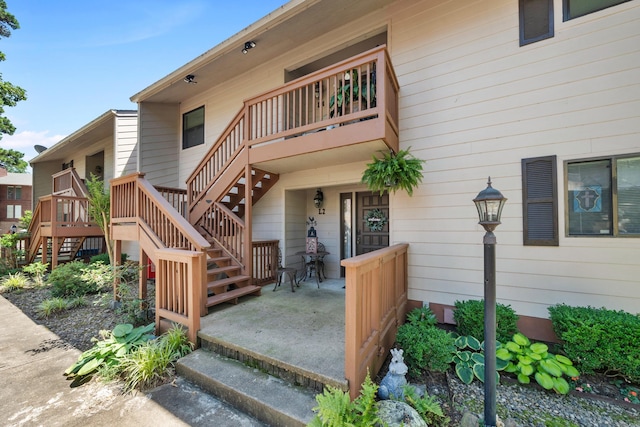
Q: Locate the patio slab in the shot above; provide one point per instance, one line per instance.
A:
(304, 329)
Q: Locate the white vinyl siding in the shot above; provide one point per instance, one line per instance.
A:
(125, 140)
(159, 138)
(473, 104)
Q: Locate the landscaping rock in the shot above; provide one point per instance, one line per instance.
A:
(396, 414)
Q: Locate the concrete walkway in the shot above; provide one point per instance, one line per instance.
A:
(33, 391)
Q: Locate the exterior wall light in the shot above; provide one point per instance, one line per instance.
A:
(247, 46)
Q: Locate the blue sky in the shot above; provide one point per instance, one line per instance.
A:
(78, 59)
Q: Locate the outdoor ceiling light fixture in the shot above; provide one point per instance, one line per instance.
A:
(190, 78)
(247, 46)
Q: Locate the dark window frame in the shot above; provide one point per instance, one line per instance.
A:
(188, 138)
(523, 19)
(566, 9)
(613, 164)
(531, 198)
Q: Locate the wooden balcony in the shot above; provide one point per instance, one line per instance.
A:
(341, 114)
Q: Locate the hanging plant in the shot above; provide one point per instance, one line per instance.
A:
(399, 171)
(376, 219)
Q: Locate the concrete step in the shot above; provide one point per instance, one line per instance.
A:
(269, 399)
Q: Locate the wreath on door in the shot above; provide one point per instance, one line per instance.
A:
(376, 220)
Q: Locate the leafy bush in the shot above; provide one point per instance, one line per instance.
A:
(14, 282)
(597, 339)
(469, 316)
(426, 347)
(151, 362)
(66, 281)
(36, 270)
(335, 408)
(526, 359)
(104, 258)
(109, 351)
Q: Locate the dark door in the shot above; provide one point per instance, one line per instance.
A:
(372, 222)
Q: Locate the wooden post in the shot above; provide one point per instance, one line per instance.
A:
(117, 259)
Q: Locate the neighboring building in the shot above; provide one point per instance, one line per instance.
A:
(105, 147)
(15, 198)
(544, 97)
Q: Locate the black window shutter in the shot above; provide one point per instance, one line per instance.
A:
(540, 201)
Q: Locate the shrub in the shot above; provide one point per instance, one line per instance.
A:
(66, 281)
(37, 271)
(109, 351)
(14, 282)
(597, 339)
(469, 316)
(335, 408)
(104, 258)
(426, 347)
(151, 362)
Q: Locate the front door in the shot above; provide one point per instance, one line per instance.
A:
(372, 222)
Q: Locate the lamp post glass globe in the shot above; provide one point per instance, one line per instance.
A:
(489, 203)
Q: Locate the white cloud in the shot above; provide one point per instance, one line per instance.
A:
(25, 141)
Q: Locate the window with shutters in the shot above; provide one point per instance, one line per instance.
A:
(603, 196)
(540, 201)
(536, 20)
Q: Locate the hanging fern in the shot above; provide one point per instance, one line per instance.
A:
(399, 171)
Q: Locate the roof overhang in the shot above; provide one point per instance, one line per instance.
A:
(289, 26)
(99, 128)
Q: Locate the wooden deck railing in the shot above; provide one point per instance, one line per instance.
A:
(175, 247)
(68, 182)
(265, 261)
(304, 106)
(178, 277)
(177, 197)
(375, 306)
(134, 199)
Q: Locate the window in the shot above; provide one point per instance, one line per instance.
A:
(540, 201)
(14, 193)
(536, 20)
(14, 211)
(603, 197)
(193, 128)
(576, 8)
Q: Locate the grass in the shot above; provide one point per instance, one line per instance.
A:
(52, 306)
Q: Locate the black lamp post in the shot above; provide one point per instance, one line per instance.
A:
(489, 203)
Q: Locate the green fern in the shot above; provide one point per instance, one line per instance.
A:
(427, 406)
(335, 408)
(399, 171)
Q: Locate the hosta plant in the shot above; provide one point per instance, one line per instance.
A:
(526, 359)
(468, 359)
(109, 351)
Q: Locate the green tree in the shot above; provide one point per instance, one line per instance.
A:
(10, 94)
(99, 208)
(12, 160)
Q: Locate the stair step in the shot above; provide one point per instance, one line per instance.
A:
(269, 399)
(224, 269)
(233, 295)
(220, 260)
(226, 282)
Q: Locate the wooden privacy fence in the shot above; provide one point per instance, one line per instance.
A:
(375, 306)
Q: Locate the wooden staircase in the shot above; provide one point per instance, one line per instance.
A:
(225, 281)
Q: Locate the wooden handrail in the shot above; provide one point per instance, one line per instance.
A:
(298, 107)
(68, 180)
(375, 306)
(157, 213)
(227, 230)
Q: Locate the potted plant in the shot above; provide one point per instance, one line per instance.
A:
(365, 90)
(394, 171)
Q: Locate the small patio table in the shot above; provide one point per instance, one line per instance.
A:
(314, 256)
